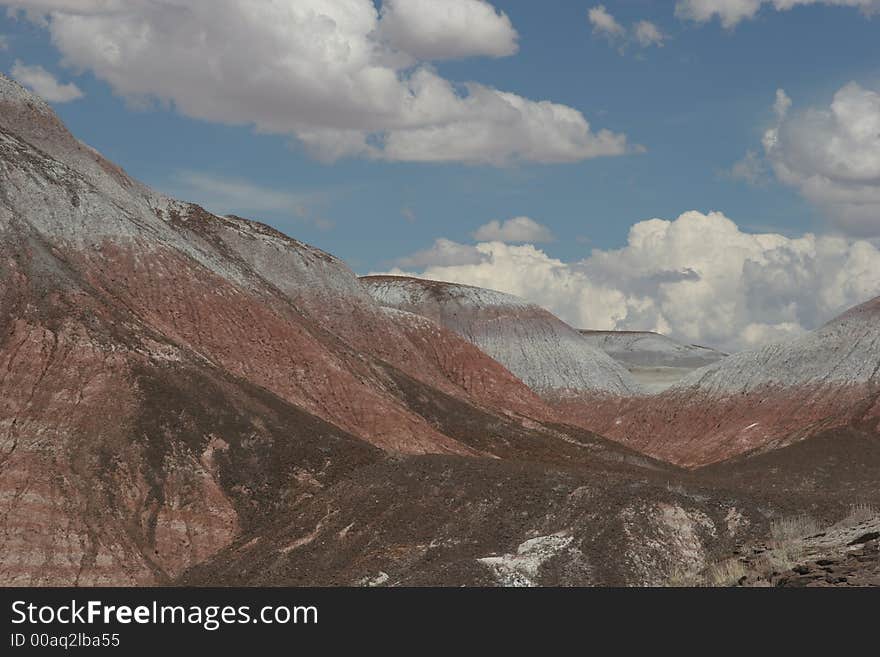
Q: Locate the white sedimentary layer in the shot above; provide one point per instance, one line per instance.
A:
(540, 349)
(846, 351)
(655, 361)
(649, 349)
(63, 188)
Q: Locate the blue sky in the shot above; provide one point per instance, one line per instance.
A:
(696, 105)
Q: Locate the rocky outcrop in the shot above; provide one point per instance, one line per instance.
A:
(436, 520)
(847, 554)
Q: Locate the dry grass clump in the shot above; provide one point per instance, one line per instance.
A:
(725, 573)
(787, 548)
(781, 558)
(789, 529)
(860, 513)
(681, 579)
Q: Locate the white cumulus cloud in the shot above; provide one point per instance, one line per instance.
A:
(832, 155)
(644, 33)
(331, 73)
(45, 84)
(444, 253)
(604, 23)
(648, 34)
(518, 229)
(427, 29)
(732, 12)
(698, 278)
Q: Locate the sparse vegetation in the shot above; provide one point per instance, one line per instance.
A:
(678, 489)
(725, 573)
(860, 513)
(787, 547)
(681, 578)
(789, 529)
(781, 558)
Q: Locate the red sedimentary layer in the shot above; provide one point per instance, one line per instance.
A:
(690, 430)
(169, 379)
(164, 373)
(470, 369)
(756, 401)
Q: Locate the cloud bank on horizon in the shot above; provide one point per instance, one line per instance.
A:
(341, 76)
(698, 278)
(354, 78)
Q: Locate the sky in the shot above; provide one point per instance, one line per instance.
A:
(706, 168)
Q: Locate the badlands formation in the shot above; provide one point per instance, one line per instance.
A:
(187, 398)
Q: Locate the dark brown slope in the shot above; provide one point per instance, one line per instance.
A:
(450, 521)
(822, 476)
(829, 489)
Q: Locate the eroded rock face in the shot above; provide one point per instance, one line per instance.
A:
(552, 358)
(125, 459)
(763, 399)
(169, 377)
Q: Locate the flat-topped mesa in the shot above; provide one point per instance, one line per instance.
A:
(767, 398)
(551, 357)
(655, 360)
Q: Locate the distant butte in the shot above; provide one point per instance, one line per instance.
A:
(655, 360)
